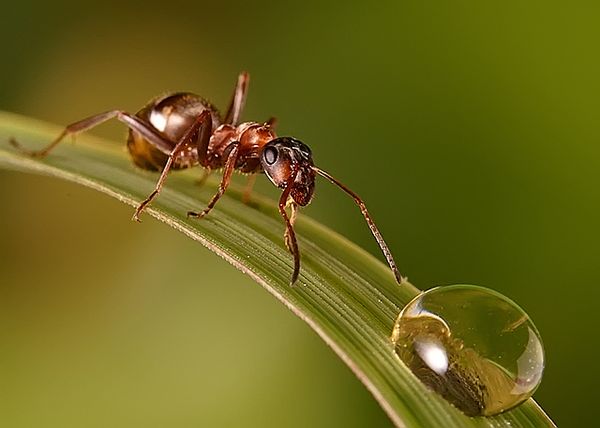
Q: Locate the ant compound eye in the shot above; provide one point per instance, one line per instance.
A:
(270, 155)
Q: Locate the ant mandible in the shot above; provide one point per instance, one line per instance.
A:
(182, 130)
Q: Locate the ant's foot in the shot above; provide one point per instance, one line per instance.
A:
(193, 214)
(138, 211)
(136, 217)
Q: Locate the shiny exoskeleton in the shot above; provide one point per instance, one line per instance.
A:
(183, 130)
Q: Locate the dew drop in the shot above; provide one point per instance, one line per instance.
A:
(473, 346)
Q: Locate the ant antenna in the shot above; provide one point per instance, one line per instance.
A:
(363, 209)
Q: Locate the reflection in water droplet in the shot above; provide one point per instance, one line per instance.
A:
(473, 346)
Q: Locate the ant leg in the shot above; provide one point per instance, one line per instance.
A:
(198, 128)
(286, 236)
(130, 120)
(238, 99)
(227, 172)
(272, 122)
(248, 189)
(205, 174)
(290, 236)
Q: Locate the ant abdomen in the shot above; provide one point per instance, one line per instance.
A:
(171, 116)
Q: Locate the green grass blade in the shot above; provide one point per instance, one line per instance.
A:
(346, 295)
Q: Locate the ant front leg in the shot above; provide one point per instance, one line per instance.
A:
(290, 235)
(227, 172)
(238, 100)
(286, 236)
(202, 129)
(133, 122)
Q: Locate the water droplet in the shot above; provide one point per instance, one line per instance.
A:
(472, 345)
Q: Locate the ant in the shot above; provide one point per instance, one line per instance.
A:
(182, 130)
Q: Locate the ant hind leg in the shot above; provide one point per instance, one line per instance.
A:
(272, 122)
(200, 128)
(238, 99)
(88, 123)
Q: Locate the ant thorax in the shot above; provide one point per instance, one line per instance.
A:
(251, 136)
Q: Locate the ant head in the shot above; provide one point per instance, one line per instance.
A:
(284, 159)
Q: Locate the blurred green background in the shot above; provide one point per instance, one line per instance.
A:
(471, 129)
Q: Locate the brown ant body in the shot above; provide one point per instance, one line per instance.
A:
(183, 130)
